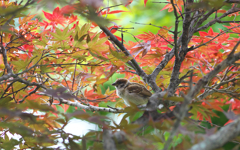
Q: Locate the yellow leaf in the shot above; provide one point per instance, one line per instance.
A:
(84, 30)
(120, 103)
(101, 81)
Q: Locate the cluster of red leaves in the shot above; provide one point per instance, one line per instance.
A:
(67, 45)
(177, 3)
(202, 60)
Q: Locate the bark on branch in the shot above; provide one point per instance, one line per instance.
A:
(218, 139)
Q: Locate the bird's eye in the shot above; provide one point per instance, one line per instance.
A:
(121, 85)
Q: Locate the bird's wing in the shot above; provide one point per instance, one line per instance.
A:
(140, 89)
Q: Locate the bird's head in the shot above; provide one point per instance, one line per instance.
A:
(121, 83)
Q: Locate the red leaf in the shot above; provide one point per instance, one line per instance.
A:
(65, 107)
(229, 121)
(146, 36)
(56, 16)
(72, 19)
(116, 11)
(128, 2)
(68, 9)
(47, 15)
(145, 2)
(145, 47)
(179, 4)
(112, 12)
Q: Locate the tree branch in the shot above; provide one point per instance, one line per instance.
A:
(175, 32)
(164, 62)
(232, 1)
(218, 139)
(138, 69)
(92, 108)
(196, 89)
(4, 53)
(121, 46)
(186, 36)
(230, 11)
(108, 142)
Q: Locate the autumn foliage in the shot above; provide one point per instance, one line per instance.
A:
(61, 67)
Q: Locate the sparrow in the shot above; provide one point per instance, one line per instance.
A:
(132, 92)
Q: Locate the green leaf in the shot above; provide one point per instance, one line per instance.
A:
(5, 101)
(61, 35)
(123, 122)
(45, 69)
(60, 109)
(71, 109)
(79, 44)
(84, 30)
(58, 31)
(9, 144)
(20, 64)
(18, 85)
(73, 145)
(10, 10)
(98, 56)
(79, 57)
(56, 37)
(35, 105)
(120, 55)
(94, 40)
(82, 38)
(88, 38)
(60, 120)
(64, 32)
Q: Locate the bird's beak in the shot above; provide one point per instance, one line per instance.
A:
(114, 84)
